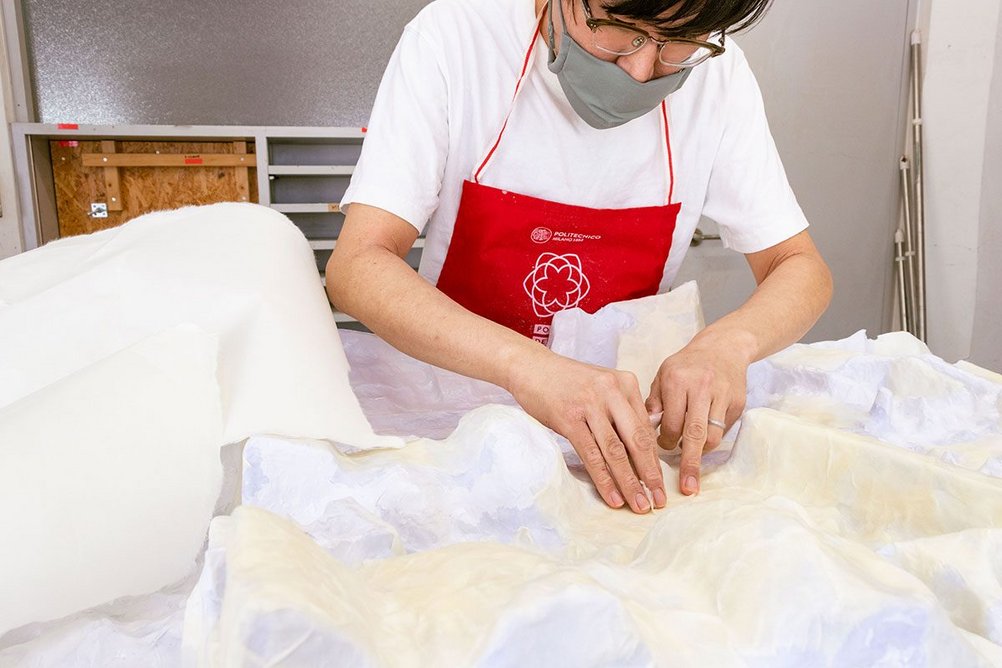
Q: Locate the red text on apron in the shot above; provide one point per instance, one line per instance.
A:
(518, 260)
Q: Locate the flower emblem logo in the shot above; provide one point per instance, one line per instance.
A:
(556, 283)
(541, 235)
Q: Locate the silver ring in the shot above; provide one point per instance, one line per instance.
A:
(717, 423)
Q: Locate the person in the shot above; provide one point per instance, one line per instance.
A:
(560, 154)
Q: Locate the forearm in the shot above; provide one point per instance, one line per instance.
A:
(385, 294)
(784, 306)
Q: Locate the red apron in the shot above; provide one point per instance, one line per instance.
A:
(518, 260)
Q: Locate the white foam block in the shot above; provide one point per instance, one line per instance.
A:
(240, 271)
(108, 478)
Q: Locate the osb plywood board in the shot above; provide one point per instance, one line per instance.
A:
(142, 189)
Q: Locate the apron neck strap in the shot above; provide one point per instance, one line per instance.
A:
(518, 88)
(668, 152)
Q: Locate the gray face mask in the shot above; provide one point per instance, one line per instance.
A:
(602, 93)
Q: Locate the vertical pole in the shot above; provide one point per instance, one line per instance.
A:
(910, 302)
(899, 270)
(918, 172)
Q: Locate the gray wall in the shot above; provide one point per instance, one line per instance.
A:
(986, 345)
(833, 78)
(221, 62)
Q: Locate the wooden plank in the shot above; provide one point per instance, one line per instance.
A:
(243, 178)
(112, 186)
(169, 160)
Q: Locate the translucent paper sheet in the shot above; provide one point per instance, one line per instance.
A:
(811, 546)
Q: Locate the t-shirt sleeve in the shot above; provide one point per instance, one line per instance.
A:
(406, 144)
(749, 195)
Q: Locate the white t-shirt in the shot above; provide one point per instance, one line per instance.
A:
(448, 87)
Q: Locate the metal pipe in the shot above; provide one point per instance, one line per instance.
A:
(899, 261)
(918, 177)
(910, 302)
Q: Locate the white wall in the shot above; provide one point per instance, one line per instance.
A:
(961, 62)
(986, 344)
(10, 226)
(836, 108)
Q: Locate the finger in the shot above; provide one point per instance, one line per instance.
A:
(735, 409)
(594, 462)
(653, 402)
(630, 418)
(693, 440)
(617, 460)
(673, 419)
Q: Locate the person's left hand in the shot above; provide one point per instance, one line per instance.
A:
(701, 390)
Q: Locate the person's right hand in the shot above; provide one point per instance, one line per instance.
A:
(601, 412)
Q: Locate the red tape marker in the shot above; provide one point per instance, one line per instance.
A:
(67, 126)
(68, 143)
(192, 161)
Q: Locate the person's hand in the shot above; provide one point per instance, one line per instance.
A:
(701, 392)
(601, 412)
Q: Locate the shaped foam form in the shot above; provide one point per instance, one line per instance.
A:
(111, 494)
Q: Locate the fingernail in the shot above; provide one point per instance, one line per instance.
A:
(659, 498)
(642, 503)
(691, 486)
(617, 500)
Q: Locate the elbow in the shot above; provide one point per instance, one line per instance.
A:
(826, 284)
(337, 274)
(351, 278)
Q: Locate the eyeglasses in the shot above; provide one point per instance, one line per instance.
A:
(624, 39)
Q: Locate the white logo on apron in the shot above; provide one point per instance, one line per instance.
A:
(556, 283)
(541, 235)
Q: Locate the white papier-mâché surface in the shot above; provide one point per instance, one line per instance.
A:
(813, 544)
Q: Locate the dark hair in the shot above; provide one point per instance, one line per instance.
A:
(698, 16)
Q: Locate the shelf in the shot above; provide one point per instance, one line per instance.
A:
(320, 207)
(311, 170)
